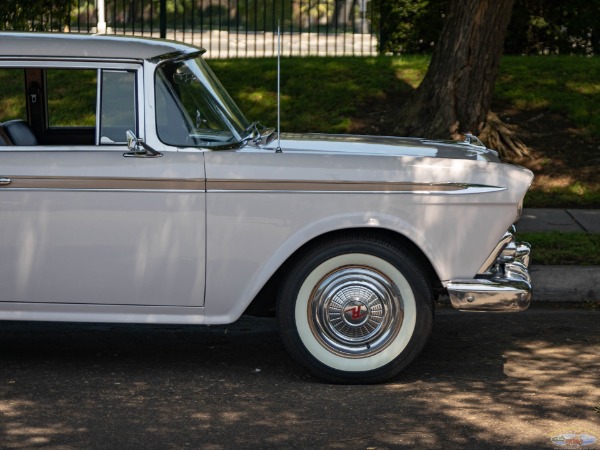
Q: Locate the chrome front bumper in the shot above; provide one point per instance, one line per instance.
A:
(502, 284)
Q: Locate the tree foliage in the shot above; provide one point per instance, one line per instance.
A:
(536, 27)
(554, 27)
(34, 15)
(407, 26)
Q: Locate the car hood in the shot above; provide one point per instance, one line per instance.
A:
(382, 145)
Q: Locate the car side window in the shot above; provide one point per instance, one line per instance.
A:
(68, 105)
(118, 106)
(12, 89)
(71, 97)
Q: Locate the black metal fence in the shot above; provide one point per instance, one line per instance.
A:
(226, 28)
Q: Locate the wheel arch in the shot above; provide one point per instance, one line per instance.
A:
(264, 302)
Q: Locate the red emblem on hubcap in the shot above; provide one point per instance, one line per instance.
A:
(355, 312)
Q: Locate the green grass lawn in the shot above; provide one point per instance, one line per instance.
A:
(561, 248)
(318, 94)
(329, 94)
(566, 85)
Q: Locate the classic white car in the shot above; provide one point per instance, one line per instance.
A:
(134, 190)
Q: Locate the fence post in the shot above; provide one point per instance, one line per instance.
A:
(163, 18)
(101, 26)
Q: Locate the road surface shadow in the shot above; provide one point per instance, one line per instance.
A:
(483, 381)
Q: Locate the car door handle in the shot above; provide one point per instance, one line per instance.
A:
(4, 181)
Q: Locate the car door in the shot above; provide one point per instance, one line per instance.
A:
(97, 224)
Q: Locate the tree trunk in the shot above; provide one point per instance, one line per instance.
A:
(342, 14)
(456, 93)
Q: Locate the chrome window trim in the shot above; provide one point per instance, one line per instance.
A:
(98, 105)
(139, 106)
(66, 148)
(130, 65)
(39, 61)
(69, 64)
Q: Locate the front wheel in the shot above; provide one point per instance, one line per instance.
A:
(355, 310)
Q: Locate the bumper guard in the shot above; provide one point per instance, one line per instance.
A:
(504, 283)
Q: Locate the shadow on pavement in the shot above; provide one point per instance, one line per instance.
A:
(484, 381)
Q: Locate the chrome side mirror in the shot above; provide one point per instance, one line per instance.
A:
(138, 148)
(267, 136)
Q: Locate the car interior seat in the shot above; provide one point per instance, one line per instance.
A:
(19, 133)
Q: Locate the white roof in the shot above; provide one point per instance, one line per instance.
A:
(69, 45)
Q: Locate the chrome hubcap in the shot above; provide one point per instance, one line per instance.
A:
(355, 311)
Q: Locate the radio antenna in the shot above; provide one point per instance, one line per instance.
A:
(278, 150)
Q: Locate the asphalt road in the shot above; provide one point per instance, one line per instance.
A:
(484, 381)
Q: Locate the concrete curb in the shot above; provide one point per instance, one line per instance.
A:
(565, 284)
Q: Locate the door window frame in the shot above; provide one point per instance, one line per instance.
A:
(129, 66)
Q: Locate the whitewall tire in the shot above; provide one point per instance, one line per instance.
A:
(355, 310)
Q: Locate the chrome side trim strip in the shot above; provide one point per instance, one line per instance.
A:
(242, 186)
(330, 187)
(104, 190)
(104, 184)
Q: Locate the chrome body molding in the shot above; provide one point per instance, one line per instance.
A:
(102, 184)
(504, 286)
(307, 186)
(161, 191)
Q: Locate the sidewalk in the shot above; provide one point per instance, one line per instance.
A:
(570, 284)
(547, 219)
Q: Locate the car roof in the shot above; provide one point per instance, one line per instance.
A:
(67, 45)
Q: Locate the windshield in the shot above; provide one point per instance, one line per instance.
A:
(194, 109)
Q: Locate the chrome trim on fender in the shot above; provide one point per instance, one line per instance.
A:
(365, 187)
